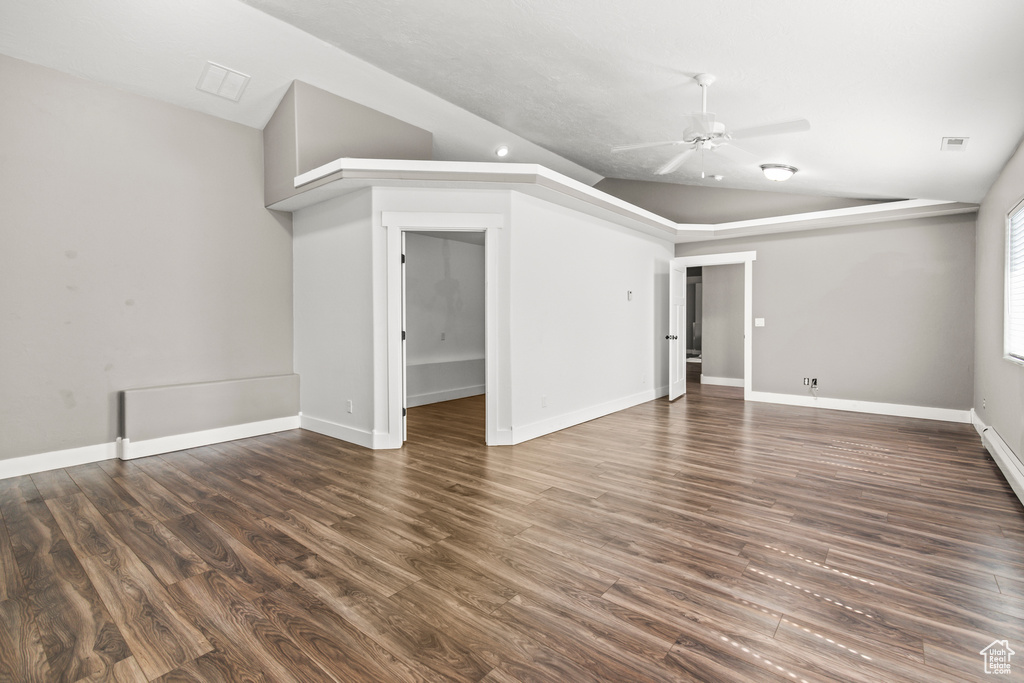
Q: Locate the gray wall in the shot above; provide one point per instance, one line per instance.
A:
(880, 313)
(312, 127)
(999, 383)
(701, 204)
(722, 321)
(134, 251)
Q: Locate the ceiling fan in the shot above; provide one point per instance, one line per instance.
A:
(703, 132)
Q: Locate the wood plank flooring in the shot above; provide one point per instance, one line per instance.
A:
(702, 540)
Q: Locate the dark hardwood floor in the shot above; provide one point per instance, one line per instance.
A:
(703, 540)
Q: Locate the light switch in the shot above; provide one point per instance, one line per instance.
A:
(758, 322)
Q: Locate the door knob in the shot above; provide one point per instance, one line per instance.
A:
(671, 336)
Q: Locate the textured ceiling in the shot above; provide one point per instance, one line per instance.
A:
(881, 81)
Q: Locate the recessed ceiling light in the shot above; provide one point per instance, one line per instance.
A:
(501, 152)
(223, 82)
(717, 177)
(778, 172)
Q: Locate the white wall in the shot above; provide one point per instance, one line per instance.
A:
(578, 343)
(722, 323)
(436, 201)
(334, 316)
(444, 319)
(565, 332)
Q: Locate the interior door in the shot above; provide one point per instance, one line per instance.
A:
(676, 336)
(405, 371)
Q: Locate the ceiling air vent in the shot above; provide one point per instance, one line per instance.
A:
(954, 144)
(223, 82)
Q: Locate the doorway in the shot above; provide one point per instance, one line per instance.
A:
(445, 350)
(677, 347)
(397, 224)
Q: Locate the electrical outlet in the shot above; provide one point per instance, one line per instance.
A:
(814, 382)
(983, 402)
(348, 404)
(807, 381)
(544, 401)
(442, 336)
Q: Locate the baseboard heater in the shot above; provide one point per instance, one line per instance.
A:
(171, 418)
(1011, 466)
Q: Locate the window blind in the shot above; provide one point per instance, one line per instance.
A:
(1015, 284)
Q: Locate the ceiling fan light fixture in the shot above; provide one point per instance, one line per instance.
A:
(778, 172)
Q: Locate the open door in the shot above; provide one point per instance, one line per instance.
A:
(405, 355)
(676, 330)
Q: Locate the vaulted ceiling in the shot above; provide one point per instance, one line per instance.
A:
(880, 81)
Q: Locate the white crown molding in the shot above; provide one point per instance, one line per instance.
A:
(346, 175)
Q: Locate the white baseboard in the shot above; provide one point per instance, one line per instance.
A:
(449, 395)
(722, 381)
(359, 437)
(180, 442)
(894, 409)
(554, 424)
(502, 438)
(1010, 465)
(54, 460)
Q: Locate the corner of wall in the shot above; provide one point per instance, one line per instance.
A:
(280, 165)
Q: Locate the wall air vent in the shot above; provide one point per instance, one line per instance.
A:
(223, 82)
(954, 144)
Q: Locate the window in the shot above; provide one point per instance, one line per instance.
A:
(1015, 284)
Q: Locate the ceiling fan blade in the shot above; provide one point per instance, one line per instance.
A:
(733, 152)
(701, 124)
(645, 145)
(797, 126)
(675, 162)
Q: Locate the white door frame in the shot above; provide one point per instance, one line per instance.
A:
(747, 258)
(396, 223)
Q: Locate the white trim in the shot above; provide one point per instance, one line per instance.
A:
(359, 437)
(894, 409)
(394, 223)
(413, 401)
(55, 460)
(1008, 284)
(1010, 465)
(566, 420)
(747, 258)
(180, 442)
(350, 174)
(503, 438)
(722, 381)
(433, 220)
(976, 421)
(904, 209)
